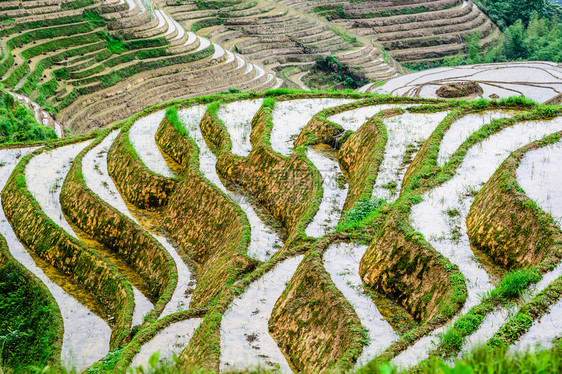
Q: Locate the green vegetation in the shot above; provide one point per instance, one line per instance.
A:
(347, 37)
(540, 39)
(514, 283)
(336, 75)
(31, 326)
(508, 12)
(332, 12)
(18, 124)
(203, 4)
(484, 360)
(361, 210)
(531, 31)
(25, 309)
(480, 360)
(366, 221)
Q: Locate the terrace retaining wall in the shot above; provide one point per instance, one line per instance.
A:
(407, 270)
(504, 223)
(140, 186)
(286, 187)
(316, 339)
(204, 222)
(119, 234)
(81, 264)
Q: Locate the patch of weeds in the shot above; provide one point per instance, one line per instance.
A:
(514, 283)
(391, 186)
(453, 212)
(361, 210)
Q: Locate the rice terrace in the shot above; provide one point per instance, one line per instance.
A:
(240, 186)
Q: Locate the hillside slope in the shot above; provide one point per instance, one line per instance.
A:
(93, 62)
(412, 31)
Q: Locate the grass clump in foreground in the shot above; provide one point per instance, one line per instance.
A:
(480, 360)
(487, 360)
(514, 283)
(354, 218)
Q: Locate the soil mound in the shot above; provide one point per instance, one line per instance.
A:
(459, 89)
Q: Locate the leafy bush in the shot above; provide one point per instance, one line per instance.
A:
(17, 123)
(507, 12)
(27, 331)
(341, 73)
(535, 39)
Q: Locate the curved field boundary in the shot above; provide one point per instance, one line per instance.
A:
(507, 225)
(402, 264)
(144, 336)
(440, 218)
(316, 339)
(285, 187)
(426, 174)
(321, 130)
(119, 233)
(289, 188)
(361, 152)
(139, 185)
(204, 348)
(245, 325)
(529, 314)
(219, 225)
(238, 169)
(50, 242)
(174, 141)
(361, 156)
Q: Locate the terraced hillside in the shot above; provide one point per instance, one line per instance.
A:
(536, 80)
(93, 63)
(293, 231)
(90, 63)
(280, 37)
(412, 31)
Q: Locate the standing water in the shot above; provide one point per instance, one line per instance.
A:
(94, 168)
(169, 342)
(539, 176)
(237, 118)
(441, 216)
(333, 197)
(263, 240)
(461, 129)
(245, 340)
(342, 262)
(290, 117)
(354, 119)
(403, 132)
(86, 336)
(141, 135)
(44, 175)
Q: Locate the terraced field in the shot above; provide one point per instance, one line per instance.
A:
(96, 62)
(412, 31)
(90, 63)
(537, 80)
(298, 232)
(281, 37)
